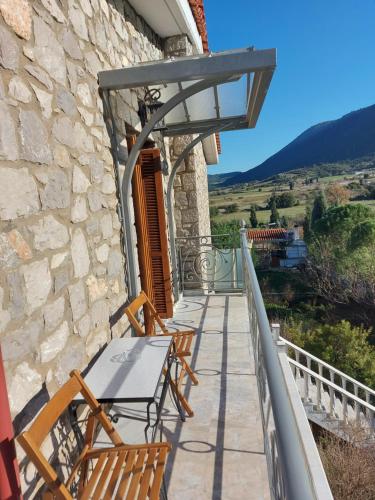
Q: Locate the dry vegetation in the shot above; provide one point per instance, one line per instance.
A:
(350, 466)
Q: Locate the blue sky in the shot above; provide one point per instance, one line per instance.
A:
(325, 66)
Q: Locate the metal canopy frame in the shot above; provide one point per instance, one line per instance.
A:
(203, 72)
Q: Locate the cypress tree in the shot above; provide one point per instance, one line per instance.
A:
(253, 216)
(274, 218)
(319, 207)
(307, 232)
(284, 222)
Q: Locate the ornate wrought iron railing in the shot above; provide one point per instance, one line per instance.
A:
(294, 466)
(212, 263)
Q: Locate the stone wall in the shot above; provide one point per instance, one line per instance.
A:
(62, 270)
(61, 264)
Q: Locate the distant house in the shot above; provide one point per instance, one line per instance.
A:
(295, 254)
(279, 247)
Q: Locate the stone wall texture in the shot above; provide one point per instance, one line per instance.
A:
(61, 263)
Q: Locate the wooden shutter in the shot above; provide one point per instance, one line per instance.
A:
(151, 230)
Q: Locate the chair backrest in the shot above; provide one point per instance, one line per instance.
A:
(32, 439)
(132, 309)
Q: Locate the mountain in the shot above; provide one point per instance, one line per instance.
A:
(215, 180)
(347, 138)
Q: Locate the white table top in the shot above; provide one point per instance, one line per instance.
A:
(128, 370)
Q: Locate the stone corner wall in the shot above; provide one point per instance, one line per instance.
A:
(61, 263)
(62, 277)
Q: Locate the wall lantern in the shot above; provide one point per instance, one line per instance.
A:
(150, 105)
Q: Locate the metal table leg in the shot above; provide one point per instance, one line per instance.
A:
(73, 419)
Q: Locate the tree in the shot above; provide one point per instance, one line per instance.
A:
(284, 222)
(338, 222)
(274, 218)
(253, 216)
(283, 200)
(214, 211)
(307, 233)
(230, 209)
(342, 345)
(337, 195)
(291, 185)
(341, 262)
(319, 207)
(362, 235)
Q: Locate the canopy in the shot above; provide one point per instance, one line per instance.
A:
(240, 80)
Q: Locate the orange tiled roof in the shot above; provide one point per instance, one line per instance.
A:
(197, 9)
(267, 234)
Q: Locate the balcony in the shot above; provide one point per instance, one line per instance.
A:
(249, 436)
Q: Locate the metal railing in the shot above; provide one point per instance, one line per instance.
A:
(331, 390)
(212, 263)
(294, 466)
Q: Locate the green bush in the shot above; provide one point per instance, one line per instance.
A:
(342, 345)
(214, 211)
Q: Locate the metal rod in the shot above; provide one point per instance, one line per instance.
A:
(184, 104)
(217, 105)
(115, 149)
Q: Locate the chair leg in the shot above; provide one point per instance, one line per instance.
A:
(187, 368)
(182, 399)
(181, 376)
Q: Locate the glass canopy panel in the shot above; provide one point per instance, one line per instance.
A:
(167, 92)
(222, 101)
(233, 97)
(201, 106)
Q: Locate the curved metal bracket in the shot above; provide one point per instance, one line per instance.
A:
(132, 160)
(171, 179)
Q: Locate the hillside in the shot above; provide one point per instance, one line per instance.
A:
(215, 180)
(347, 138)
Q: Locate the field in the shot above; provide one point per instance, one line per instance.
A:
(259, 193)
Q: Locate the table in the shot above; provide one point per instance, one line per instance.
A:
(129, 370)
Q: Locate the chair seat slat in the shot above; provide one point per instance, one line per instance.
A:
(137, 475)
(104, 476)
(126, 475)
(94, 477)
(146, 478)
(158, 477)
(115, 475)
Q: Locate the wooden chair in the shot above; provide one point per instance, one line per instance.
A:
(182, 339)
(122, 471)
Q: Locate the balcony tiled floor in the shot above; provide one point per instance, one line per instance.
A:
(217, 454)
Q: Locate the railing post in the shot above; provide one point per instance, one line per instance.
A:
(345, 408)
(275, 330)
(319, 388)
(331, 395)
(306, 386)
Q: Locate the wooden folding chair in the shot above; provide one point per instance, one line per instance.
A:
(182, 339)
(121, 472)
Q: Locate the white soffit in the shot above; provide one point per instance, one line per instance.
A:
(210, 150)
(169, 18)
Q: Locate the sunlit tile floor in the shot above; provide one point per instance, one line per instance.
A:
(218, 453)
